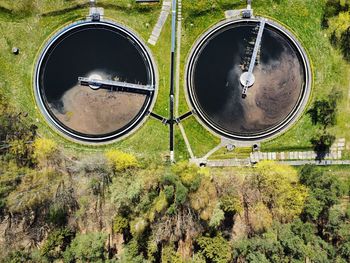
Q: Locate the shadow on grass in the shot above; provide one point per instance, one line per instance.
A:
(194, 11)
(140, 9)
(12, 15)
(324, 113)
(322, 144)
(5, 10)
(63, 11)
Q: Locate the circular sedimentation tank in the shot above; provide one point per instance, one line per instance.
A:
(277, 88)
(95, 51)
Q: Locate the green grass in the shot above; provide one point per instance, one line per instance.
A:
(29, 29)
(200, 139)
(303, 18)
(239, 153)
(329, 68)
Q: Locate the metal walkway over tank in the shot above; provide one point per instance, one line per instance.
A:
(118, 85)
(247, 78)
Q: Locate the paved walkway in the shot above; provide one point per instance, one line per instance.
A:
(232, 14)
(246, 162)
(96, 10)
(212, 151)
(160, 23)
(177, 76)
(334, 154)
(290, 158)
(323, 162)
(178, 56)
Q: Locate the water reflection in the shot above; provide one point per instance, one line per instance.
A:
(91, 50)
(279, 81)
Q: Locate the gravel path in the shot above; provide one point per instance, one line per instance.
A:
(160, 23)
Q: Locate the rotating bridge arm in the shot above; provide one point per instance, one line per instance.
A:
(249, 80)
(110, 84)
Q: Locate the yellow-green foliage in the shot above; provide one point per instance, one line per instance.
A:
(189, 174)
(35, 189)
(160, 202)
(260, 217)
(152, 249)
(121, 161)
(159, 205)
(280, 189)
(18, 147)
(230, 203)
(217, 216)
(170, 256)
(87, 247)
(44, 150)
(120, 223)
(10, 176)
(137, 226)
(215, 249)
(204, 200)
(339, 24)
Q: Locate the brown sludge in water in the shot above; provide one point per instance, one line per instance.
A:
(98, 112)
(274, 94)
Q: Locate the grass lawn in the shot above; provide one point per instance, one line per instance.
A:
(329, 69)
(28, 24)
(303, 18)
(30, 30)
(239, 153)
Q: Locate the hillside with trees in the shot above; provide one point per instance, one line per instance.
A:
(124, 203)
(114, 207)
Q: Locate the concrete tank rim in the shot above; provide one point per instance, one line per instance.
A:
(144, 112)
(276, 130)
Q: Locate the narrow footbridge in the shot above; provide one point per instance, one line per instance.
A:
(115, 85)
(248, 79)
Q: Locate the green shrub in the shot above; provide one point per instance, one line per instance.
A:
(180, 194)
(86, 248)
(137, 226)
(18, 256)
(325, 192)
(189, 175)
(57, 215)
(231, 204)
(215, 249)
(56, 243)
(45, 151)
(131, 253)
(217, 217)
(169, 255)
(10, 178)
(120, 224)
(169, 192)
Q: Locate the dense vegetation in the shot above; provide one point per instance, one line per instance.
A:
(112, 206)
(337, 20)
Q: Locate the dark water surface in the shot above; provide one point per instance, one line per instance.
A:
(279, 73)
(93, 49)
